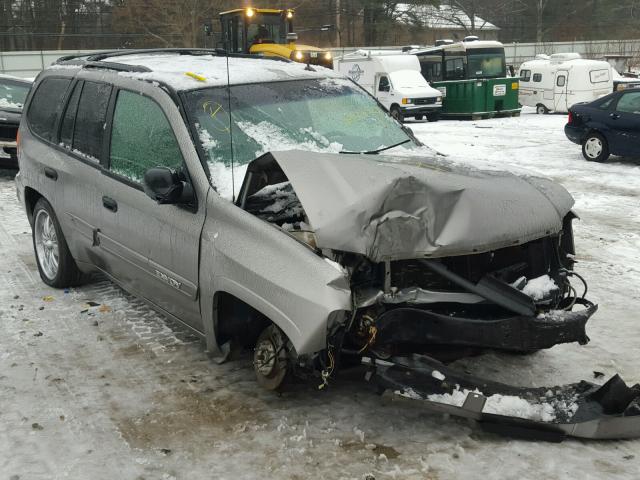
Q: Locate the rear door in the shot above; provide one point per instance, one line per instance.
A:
(625, 125)
(153, 249)
(560, 91)
(82, 136)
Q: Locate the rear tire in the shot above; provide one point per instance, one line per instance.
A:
(541, 109)
(56, 266)
(434, 117)
(397, 114)
(595, 148)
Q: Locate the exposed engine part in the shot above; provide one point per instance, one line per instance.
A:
(277, 204)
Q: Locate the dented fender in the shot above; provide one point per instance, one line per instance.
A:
(263, 266)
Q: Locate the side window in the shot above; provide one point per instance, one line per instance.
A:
(561, 81)
(537, 77)
(69, 118)
(629, 103)
(384, 86)
(88, 134)
(606, 105)
(141, 137)
(525, 75)
(46, 105)
(454, 68)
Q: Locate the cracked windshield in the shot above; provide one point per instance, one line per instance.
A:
(330, 115)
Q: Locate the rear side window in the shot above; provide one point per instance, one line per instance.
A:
(606, 105)
(88, 134)
(141, 137)
(537, 77)
(46, 105)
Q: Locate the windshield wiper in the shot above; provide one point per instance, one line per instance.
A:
(373, 152)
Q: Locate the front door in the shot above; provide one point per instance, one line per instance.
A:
(624, 124)
(383, 90)
(152, 249)
(560, 91)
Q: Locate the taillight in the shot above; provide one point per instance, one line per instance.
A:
(570, 120)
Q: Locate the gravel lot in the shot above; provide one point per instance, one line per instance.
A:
(110, 389)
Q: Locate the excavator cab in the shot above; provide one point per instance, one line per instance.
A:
(268, 32)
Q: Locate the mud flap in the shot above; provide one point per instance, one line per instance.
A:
(583, 410)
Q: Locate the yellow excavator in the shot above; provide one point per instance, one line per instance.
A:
(268, 32)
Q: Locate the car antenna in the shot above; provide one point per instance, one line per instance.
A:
(233, 183)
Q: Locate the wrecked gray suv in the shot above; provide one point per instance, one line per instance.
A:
(276, 206)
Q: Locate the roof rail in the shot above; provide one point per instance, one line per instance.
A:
(182, 51)
(120, 67)
(96, 60)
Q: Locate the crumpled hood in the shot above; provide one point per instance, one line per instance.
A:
(392, 208)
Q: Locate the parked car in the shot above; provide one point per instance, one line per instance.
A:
(247, 199)
(608, 126)
(13, 92)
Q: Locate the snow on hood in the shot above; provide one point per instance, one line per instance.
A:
(396, 208)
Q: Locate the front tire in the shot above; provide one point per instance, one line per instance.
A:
(56, 266)
(419, 117)
(271, 359)
(397, 114)
(595, 148)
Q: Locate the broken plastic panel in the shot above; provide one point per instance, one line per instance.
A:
(583, 409)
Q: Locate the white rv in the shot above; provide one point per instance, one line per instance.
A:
(395, 80)
(557, 82)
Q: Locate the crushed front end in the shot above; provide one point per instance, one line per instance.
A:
(442, 264)
(521, 298)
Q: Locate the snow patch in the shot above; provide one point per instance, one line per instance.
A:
(539, 288)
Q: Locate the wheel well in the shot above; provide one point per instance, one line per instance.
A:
(394, 105)
(237, 321)
(31, 197)
(594, 130)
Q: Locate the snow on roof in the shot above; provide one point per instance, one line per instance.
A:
(211, 70)
(17, 79)
(441, 17)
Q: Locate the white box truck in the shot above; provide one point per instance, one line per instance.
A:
(557, 82)
(395, 80)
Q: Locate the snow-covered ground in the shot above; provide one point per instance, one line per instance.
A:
(115, 391)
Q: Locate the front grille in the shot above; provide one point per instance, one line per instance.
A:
(507, 264)
(8, 132)
(424, 101)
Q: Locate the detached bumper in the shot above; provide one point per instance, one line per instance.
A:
(583, 409)
(519, 333)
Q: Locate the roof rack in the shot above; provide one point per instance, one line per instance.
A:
(96, 60)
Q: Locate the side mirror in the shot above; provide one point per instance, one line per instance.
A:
(165, 186)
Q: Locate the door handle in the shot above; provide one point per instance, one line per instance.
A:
(50, 173)
(614, 116)
(110, 204)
